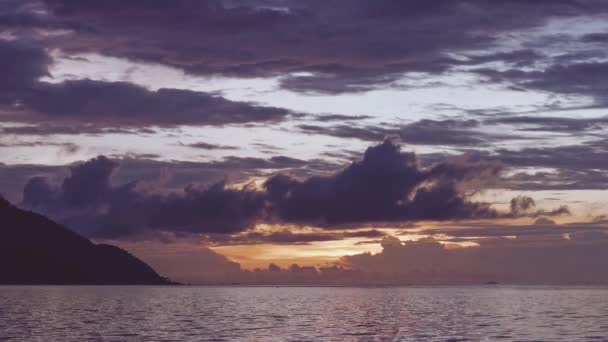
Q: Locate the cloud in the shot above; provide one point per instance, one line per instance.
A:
(577, 260)
(164, 176)
(120, 103)
(482, 133)
(329, 47)
(552, 124)
(577, 78)
(454, 133)
(522, 204)
(87, 202)
(595, 38)
(544, 221)
(65, 146)
(89, 182)
(207, 146)
(340, 117)
(542, 228)
(67, 128)
(18, 17)
(578, 166)
(386, 185)
(288, 237)
(14, 177)
(181, 197)
(317, 46)
(24, 98)
(88, 185)
(38, 192)
(21, 66)
(506, 261)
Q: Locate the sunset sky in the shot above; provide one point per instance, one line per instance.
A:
(316, 141)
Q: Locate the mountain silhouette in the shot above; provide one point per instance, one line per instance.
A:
(36, 250)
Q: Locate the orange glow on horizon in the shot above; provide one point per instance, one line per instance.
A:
(313, 254)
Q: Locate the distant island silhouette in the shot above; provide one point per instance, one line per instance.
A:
(35, 250)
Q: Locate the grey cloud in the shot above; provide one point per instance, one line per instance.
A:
(340, 117)
(47, 129)
(65, 146)
(207, 146)
(552, 124)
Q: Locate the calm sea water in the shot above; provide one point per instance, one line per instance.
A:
(143, 313)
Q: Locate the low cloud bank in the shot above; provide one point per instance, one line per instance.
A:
(386, 185)
(576, 260)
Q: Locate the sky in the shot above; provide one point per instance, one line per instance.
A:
(315, 142)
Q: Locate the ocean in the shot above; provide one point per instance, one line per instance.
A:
(190, 313)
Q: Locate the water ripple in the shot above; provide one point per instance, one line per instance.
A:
(454, 314)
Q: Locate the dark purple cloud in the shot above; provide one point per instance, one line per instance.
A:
(14, 177)
(386, 185)
(88, 185)
(580, 166)
(343, 46)
(166, 175)
(87, 202)
(38, 192)
(66, 128)
(21, 66)
(575, 165)
(18, 17)
(99, 104)
(464, 134)
(124, 104)
(595, 38)
(578, 78)
(455, 133)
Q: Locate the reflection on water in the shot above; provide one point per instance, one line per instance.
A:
(303, 313)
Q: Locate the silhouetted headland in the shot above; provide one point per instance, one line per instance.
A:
(36, 250)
